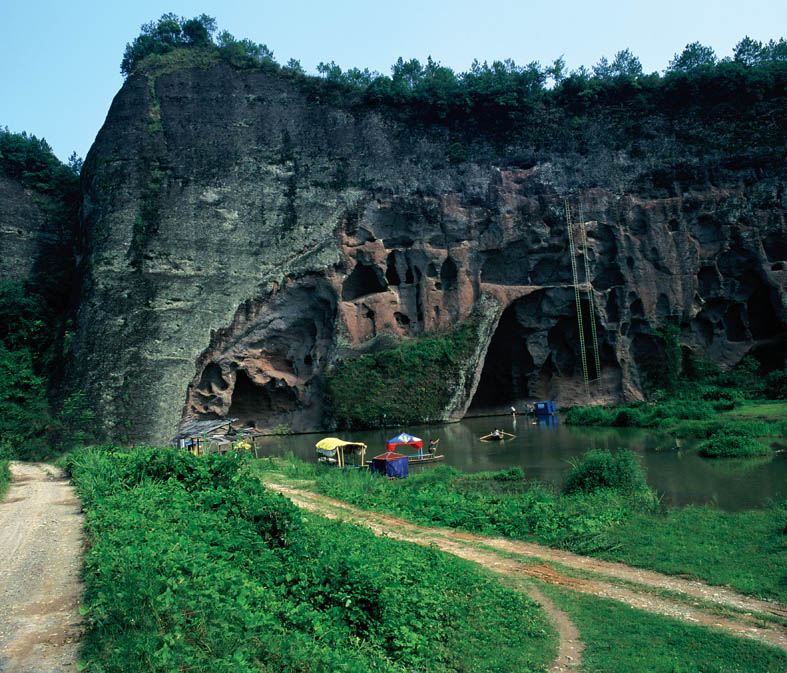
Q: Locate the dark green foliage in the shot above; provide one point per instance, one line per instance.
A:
(408, 384)
(193, 565)
(776, 385)
(165, 35)
(34, 312)
(724, 445)
(5, 473)
(601, 469)
(658, 414)
(31, 161)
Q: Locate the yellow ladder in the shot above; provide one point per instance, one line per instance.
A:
(589, 287)
(572, 253)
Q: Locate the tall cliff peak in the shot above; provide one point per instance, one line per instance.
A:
(247, 232)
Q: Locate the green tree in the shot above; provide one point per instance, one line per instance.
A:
(694, 55)
(625, 64)
(749, 52)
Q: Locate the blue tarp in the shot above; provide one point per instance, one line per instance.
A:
(545, 408)
(404, 438)
(392, 465)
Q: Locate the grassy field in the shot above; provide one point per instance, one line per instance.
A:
(745, 550)
(620, 639)
(192, 565)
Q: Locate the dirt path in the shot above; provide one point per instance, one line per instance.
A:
(690, 601)
(40, 566)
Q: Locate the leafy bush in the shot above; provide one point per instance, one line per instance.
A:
(724, 445)
(588, 416)
(776, 385)
(601, 469)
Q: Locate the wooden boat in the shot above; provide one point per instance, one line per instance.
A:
(492, 437)
(425, 458)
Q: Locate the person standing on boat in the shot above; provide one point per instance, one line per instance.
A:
(513, 411)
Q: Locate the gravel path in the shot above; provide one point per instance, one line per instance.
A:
(691, 601)
(40, 572)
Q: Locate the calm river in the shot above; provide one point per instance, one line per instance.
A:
(544, 450)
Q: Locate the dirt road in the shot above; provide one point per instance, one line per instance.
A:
(689, 601)
(40, 570)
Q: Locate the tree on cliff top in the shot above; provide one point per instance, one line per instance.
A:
(167, 34)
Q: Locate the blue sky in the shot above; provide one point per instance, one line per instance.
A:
(60, 60)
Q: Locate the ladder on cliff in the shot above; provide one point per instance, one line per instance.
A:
(586, 286)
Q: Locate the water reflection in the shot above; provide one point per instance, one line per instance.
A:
(544, 447)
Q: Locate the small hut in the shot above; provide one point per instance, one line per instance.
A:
(201, 437)
(392, 465)
(336, 451)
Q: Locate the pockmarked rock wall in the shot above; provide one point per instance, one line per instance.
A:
(242, 232)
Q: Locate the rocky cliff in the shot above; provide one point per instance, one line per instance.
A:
(244, 233)
(28, 233)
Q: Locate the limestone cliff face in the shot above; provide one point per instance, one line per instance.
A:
(242, 233)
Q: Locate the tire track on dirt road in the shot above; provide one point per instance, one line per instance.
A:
(691, 601)
(40, 571)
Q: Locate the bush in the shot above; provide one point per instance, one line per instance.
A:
(588, 416)
(776, 385)
(723, 445)
(601, 469)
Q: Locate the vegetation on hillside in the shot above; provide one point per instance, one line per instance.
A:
(193, 565)
(408, 384)
(710, 103)
(34, 312)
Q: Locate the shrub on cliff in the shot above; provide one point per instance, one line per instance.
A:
(408, 384)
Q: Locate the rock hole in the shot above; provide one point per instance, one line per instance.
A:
(363, 280)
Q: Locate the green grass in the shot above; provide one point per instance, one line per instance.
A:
(762, 411)
(744, 550)
(193, 565)
(620, 639)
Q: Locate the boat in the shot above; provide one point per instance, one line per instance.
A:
(335, 451)
(501, 437)
(425, 458)
(420, 456)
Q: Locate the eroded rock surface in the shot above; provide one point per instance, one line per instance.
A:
(242, 232)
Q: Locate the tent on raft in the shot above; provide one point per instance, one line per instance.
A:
(404, 439)
(336, 451)
(393, 465)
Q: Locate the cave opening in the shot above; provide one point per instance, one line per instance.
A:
(255, 405)
(507, 367)
(363, 280)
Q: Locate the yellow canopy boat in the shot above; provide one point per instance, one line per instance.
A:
(335, 450)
